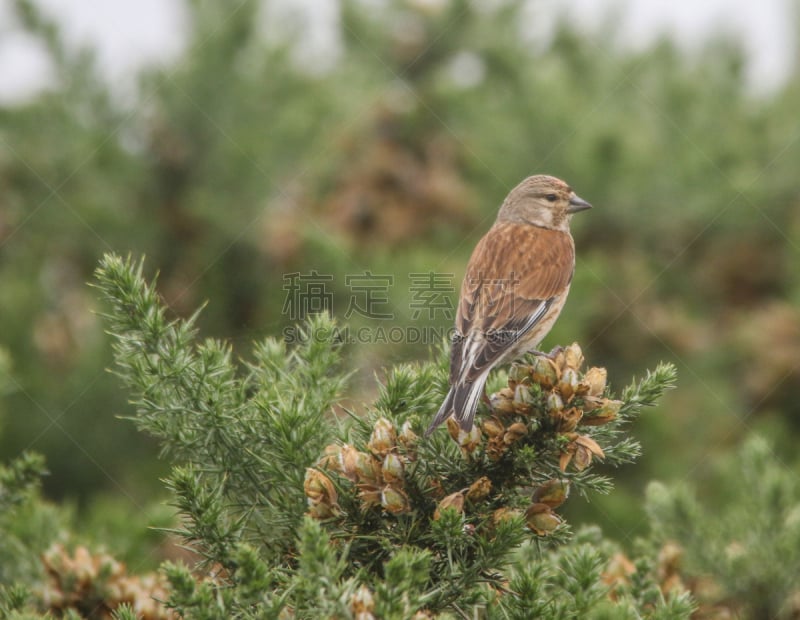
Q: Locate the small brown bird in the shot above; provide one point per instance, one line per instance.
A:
(516, 283)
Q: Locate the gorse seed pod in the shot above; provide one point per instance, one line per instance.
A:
(501, 515)
(596, 379)
(454, 501)
(392, 468)
(519, 373)
(568, 383)
(573, 356)
(383, 437)
(348, 462)
(605, 412)
(394, 501)
(567, 420)
(479, 490)
(554, 402)
(319, 488)
(541, 519)
(514, 433)
(552, 493)
(544, 372)
(368, 468)
(502, 402)
(407, 437)
(492, 427)
(469, 441)
(331, 458)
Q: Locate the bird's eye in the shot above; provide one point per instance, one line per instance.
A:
(551, 197)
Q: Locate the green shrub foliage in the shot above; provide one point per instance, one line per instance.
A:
(303, 512)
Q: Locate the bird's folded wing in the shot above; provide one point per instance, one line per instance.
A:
(513, 277)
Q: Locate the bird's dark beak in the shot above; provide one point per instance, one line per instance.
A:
(576, 203)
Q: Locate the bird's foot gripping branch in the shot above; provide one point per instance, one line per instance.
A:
(305, 514)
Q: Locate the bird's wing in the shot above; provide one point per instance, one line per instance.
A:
(514, 275)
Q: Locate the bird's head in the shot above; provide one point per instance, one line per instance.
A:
(544, 201)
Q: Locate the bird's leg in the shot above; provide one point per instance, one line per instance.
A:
(552, 355)
(555, 351)
(486, 399)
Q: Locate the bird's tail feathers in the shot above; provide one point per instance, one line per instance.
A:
(461, 402)
(444, 412)
(465, 401)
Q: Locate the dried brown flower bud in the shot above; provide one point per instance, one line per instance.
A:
(567, 420)
(394, 501)
(523, 399)
(541, 519)
(454, 430)
(392, 468)
(567, 453)
(323, 511)
(573, 356)
(604, 413)
(319, 488)
(348, 462)
(553, 493)
(368, 468)
(454, 501)
(568, 383)
(383, 437)
(519, 373)
(580, 451)
(469, 441)
(590, 403)
(545, 372)
(596, 379)
(472, 440)
(554, 402)
(501, 515)
(331, 458)
(514, 433)
(434, 488)
(479, 490)
(591, 445)
(669, 558)
(496, 448)
(618, 570)
(502, 402)
(370, 495)
(407, 437)
(493, 427)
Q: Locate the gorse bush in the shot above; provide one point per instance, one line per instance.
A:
(295, 507)
(300, 512)
(745, 558)
(409, 138)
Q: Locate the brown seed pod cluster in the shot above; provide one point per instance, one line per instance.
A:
(97, 584)
(553, 393)
(378, 472)
(551, 398)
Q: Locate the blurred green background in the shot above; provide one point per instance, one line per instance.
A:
(242, 160)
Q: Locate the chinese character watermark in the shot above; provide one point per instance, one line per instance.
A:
(496, 296)
(306, 293)
(429, 291)
(430, 298)
(369, 295)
